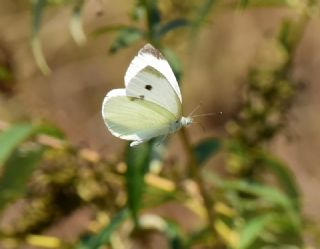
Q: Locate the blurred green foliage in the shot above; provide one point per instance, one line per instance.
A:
(239, 210)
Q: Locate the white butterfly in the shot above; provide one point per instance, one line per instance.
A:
(150, 105)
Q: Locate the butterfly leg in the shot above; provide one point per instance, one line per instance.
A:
(137, 142)
(161, 139)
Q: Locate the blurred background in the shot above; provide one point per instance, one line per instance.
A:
(248, 179)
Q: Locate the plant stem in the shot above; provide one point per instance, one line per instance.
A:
(195, 173)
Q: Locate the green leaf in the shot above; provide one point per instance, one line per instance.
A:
(110, 28)
(37, 9)
(174, 62)
(76, 28)
(244, 3)
(202, 13)
(138, 11)
(153, 12)
(12, 137)
(17, 172)
(253, 229)
(284, 175)
(174, 236)
(154, 196)
(126, 37)
(291, 33)
(138, 160)
(285, 36)
(153, 17)
(205, 149)
(49, 130)
(174, 24)
(264, 3)
(103, 237)
(269, 194)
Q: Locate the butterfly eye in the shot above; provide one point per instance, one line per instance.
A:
(148, 87)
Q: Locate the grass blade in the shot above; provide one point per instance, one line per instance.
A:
(253, 229)
(172, 25)
(76, 27)
(17, 172)
(126, 37)
(284, 175)
(138, 160)
(11, 138)
(103, 237)
(37, 10)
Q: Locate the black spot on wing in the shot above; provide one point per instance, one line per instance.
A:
(148, 87)
(133, 98)
(140, 97)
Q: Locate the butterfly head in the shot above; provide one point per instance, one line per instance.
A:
(186, 121)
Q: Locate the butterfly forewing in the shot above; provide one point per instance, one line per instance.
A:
(149, 84)
(151, 77)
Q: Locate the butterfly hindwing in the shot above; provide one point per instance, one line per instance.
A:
(134, 118)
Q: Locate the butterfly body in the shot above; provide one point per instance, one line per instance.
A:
(182, 122)
(150, 105)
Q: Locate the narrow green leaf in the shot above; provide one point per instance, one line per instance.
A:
(154, 196)
(37, 9)
(203, 12)
(264, 3)
(285, 36)
(269, 194)
(138, 160)
(126, 37)
(205, 149)
(103, 237)
(39, 56)
(138, 11)
(291, 33)
(76, 27)
(12, 137)
(153, 16)
(50, 130)
(174, 236)
(171, 25)
(110, 28)
(17, 172)
(244, 3)
(284, 175)
(253, 229)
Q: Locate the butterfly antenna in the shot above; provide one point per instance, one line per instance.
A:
(207, 114)
(195, 109)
